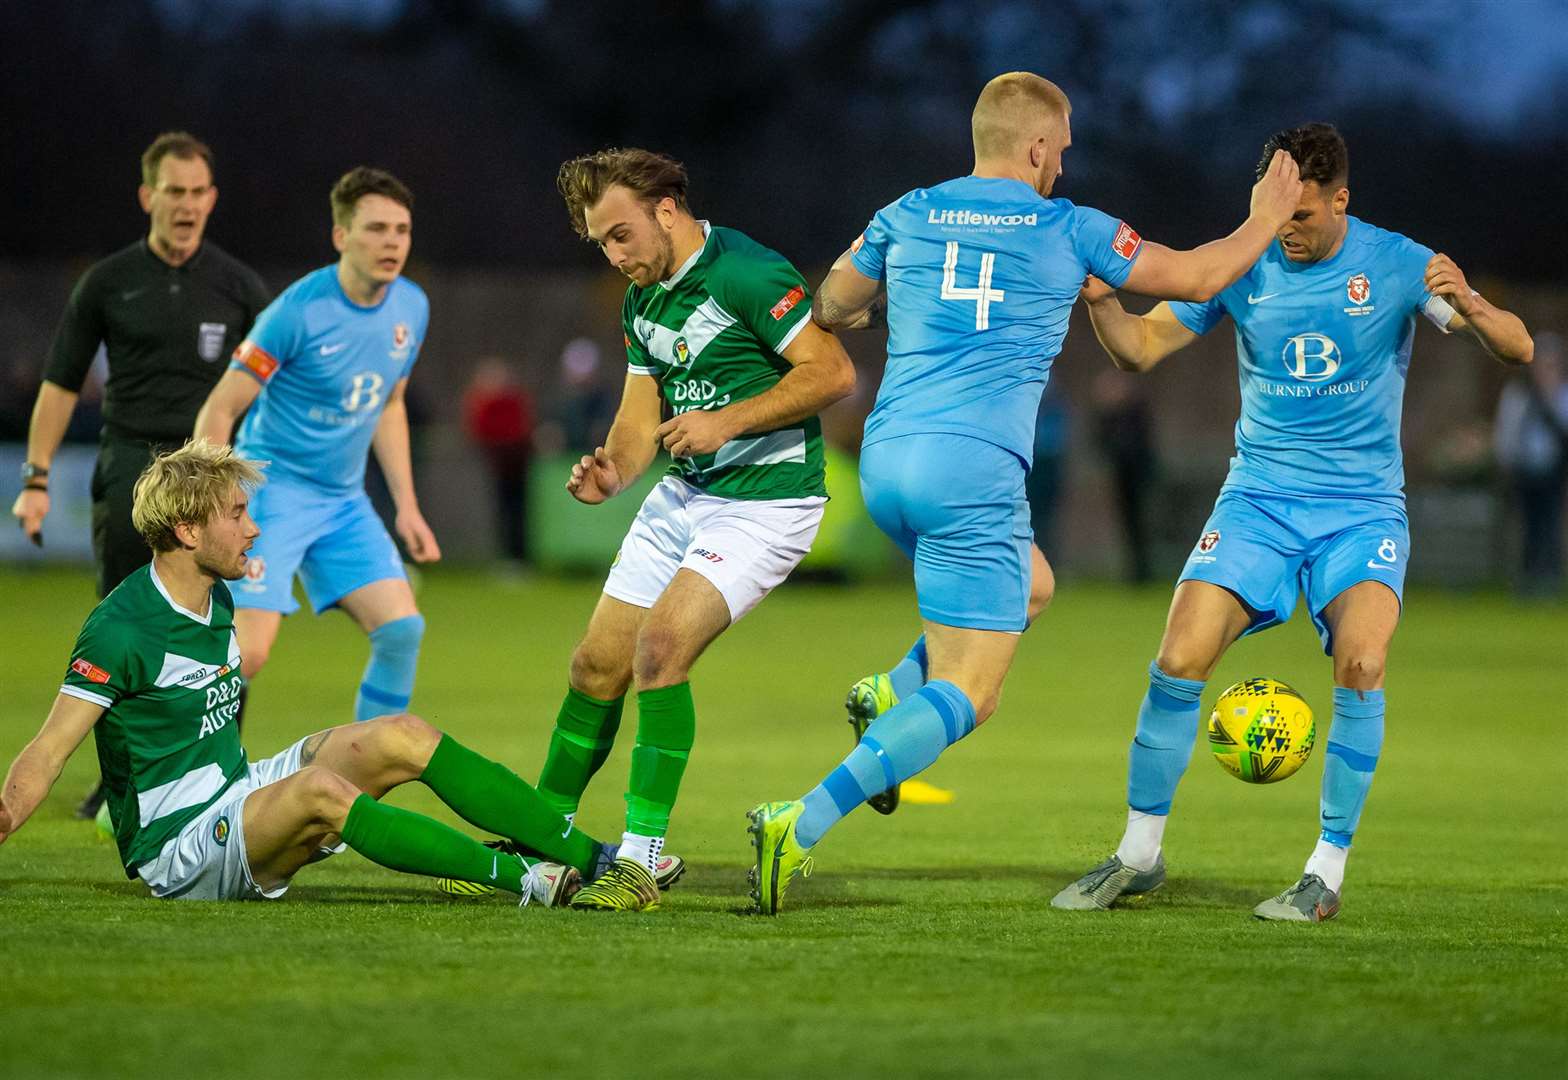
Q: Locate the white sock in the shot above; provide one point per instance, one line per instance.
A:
(641, 849)
(1328, 863)
(1140, 846)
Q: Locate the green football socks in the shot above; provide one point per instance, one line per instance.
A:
(414, 844)
(666, 726)
(494, 798)
(585, 731)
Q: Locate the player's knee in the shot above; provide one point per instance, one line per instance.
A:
(403, 742)
(327, 796)
(598, 671)
(1042, 586)
(1359, 669)
(1182, 660)
(253, 658)
(659, 660)
(400, 636)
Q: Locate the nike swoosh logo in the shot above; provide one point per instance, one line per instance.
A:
(1259, 299)
(328, 350)
(569, 827)
(133, 294)
(493, 865)
(1378, 565)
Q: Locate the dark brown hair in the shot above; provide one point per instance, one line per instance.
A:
(1319, 150)
(180, 144)
(361, 181)
(653, 177)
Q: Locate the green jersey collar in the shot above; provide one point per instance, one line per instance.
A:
(675, 278)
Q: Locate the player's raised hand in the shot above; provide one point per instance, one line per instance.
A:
(693, 433)
(595, 478)
(1276, 196)
(1094, 290)
(417, 537)
(1445, 279)
(30, 509)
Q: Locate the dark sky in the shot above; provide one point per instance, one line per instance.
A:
(796, 119)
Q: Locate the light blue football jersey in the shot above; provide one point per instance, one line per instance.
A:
(1322, 351)
(326, 366)
(982, 274)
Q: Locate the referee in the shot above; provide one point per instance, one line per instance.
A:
(168, 310)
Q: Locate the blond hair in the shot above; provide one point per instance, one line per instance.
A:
(188, 486)
(1008, 107)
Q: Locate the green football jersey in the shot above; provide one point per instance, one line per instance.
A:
(169, 682)
(712, 335)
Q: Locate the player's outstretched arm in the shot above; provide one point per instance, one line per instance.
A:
(848, 299)
(51, 416)
(38, 766)
(629, 448)
(224, 405)
(391, 445)
(1134, 342)
(1501, 333)
(1201, 273)
(820, 373)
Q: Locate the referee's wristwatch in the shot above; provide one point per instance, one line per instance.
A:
(35, 476)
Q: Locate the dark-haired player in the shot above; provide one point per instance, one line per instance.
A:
(326, 366)
(1314, 502)
(718, 330)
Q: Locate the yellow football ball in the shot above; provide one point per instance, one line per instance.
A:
(1261, 731)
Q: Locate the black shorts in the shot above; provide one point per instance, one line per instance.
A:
(118, 548)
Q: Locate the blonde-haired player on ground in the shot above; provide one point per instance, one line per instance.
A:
(156, 675)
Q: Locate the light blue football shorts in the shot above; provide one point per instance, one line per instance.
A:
(956, 506)
(336, 544)
(1268, 549)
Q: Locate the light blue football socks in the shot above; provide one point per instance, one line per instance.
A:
(388, 682)
(1354, 743)
(909, 674)
(1162, 744)
(898, 745)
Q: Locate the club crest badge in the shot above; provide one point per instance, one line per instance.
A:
(400, 335)
(1209, 541)
(1358, 289)
(209, 340)
(220, 830)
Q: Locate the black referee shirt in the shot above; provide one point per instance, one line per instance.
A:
(168, 331)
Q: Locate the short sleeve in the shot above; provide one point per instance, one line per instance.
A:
(76, 340)
(272, 341)
(1108, 248)
(638, 362)
(101, 665)
(868, 253)
(767, 295)
(1199, 318)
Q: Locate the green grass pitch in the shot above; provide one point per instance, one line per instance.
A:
(923, 946)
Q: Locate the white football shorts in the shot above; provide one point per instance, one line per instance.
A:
(745, 547)
(206, 859)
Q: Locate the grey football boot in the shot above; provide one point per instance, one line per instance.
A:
(1112, 880)
(1308, 900)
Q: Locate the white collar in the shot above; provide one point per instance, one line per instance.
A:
(675, 278)
(205, 620)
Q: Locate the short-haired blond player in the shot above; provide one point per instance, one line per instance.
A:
(156, 674)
